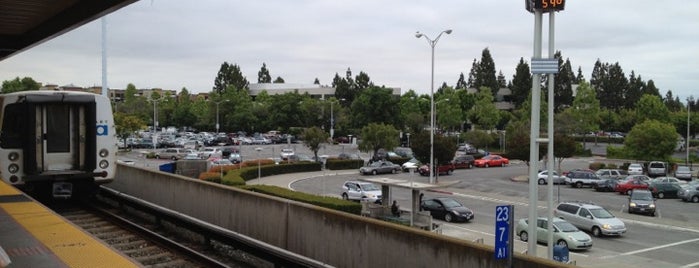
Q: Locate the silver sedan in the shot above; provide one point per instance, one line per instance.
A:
(544, 176)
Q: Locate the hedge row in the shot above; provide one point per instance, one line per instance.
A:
(338, 164)
(321, 201)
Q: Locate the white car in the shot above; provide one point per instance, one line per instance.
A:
(361, 191)
(286, 152)
(635, 169)
(411, 164)
(543, 176)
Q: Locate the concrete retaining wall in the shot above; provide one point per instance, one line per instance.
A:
(337, 238)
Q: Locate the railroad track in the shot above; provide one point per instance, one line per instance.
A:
(147, 247)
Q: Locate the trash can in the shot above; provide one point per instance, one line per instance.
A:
(167, 167)
(560, 253)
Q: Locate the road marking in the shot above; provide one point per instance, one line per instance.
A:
(651, 249)
(690, 265)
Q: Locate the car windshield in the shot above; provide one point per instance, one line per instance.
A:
(370, 187)
(450, 203)
(635, 166)
(646, 196)
(601, 213)
(565, 226)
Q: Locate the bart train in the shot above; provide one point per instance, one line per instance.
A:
(57, 143)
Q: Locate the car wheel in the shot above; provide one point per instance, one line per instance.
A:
(628, 192)
(502, 164)
(596, 231)
(373, 172)
(393, 171)
(174, 158)
(157, 156)
(447, 217)
(562, 243)
(486, 165)
(661, 195)
(652, 214)
(449, 172)
(344, 196)
(470, 166)
(524, 236)
(578, 184)
(542, 181)
(695, 199)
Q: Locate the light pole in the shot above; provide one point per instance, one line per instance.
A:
(155, 124)
(259, 172)
(332, 118)
(432, 43)
(217, 103)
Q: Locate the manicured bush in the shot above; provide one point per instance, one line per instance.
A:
(596, 165)
(339, 164)
(322, 201)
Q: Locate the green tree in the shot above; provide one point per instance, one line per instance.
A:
(634, 91)
(410, 113)
(586, 109)
(521, 83)
(263, 75)
(473, 74)
(444, 147)
(126, 125)
(375, 105)
(279, 80)
(484, 113)
(651, 140)
(461, 83)
(563, 88)
(651, 107)
(486, 73)
(479, 139)
(16, 85)
(375, 136)
(563, 147)
(313, 137)
(230, 77)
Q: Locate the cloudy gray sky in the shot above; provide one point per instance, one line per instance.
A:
(175, 44)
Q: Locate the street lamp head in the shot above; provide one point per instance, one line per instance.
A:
(448, 31)
(418, 34)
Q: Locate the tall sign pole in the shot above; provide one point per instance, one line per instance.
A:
(550, 157)
(540, 66)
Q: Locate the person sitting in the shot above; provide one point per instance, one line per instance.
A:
(395, 210)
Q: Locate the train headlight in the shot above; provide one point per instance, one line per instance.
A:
(13, 156)
(13, 168)
(104, 153)
(104, 164)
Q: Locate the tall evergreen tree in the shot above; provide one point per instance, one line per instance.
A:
(616, 87)
(563, 88)
(502, 82)
(486, 73)
(579, 78)
(316, 82)
(229, 75)
(461, 83)
(471, 82)
(263, 75)
(651, 89)
(362, 81)
(634, 91)
(521, 83)
(278, 80)
(672, 103)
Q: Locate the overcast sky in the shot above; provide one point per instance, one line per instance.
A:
(174, 44)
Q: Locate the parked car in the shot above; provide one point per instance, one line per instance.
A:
(631, 183)
(635, 169)
(605, 185)
(286, 152)
(683, 173)
(580, 178)
(235, 158)
(492, 160)
(361, 191)
(192, 156)
(379, 167)
(447, 209)
(590, 217)
(464, 161)
(443, 169)
(564, 233)
(544, 176)
(209, 152)
(215, 162)
(611, 173)
(641, 201)
(172, 153)
(411, 164)
(657, 169)
(664, 189)
(690, 193)
(668, 180)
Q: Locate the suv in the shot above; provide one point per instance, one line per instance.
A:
(641, 201)
(612, 174)
(464, 161)
(590, 217)
(361, 191)
(172, 153)
(683, 173)
(657, 169)
(635, 169)
(580, 178)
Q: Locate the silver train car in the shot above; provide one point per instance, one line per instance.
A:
(57, 143)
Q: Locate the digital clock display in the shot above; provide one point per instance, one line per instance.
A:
(545, 5)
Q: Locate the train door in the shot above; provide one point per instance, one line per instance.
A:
(62, 129)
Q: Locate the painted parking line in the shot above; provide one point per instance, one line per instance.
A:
(690, 265)
(651, 248)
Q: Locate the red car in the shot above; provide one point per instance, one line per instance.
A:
(492, 160)
(630, 183)
(442, 169)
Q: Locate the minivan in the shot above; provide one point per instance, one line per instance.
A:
(657, 169)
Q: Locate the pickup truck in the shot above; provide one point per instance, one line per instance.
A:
(580, 178)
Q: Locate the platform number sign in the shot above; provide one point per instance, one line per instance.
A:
(503, 232)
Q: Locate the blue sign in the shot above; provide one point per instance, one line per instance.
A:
(503, 216)
(102, 130)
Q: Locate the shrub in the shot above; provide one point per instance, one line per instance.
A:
(322, 201)
(596, 165)
(337, 164)
(611, 165)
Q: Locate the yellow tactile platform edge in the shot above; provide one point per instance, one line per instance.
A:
(73, 246)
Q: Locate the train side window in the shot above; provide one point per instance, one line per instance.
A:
(12, 127)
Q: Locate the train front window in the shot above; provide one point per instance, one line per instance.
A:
(13, 125)
(57, 128)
